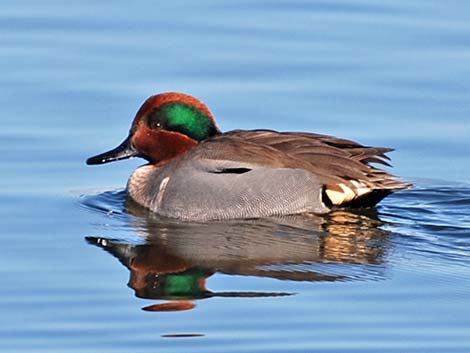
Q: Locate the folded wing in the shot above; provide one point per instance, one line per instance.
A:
(342, 167)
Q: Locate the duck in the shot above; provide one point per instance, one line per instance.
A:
(196, 172)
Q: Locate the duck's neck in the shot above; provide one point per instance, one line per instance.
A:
(147, 185)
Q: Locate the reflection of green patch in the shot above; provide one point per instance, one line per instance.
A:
(184, 285)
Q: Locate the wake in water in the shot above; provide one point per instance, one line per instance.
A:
(431, 220)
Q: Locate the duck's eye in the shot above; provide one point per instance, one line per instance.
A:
(154, 123)
(156, 119)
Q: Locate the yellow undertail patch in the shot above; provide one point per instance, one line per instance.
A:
(340, 194)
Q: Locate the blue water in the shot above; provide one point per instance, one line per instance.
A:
(81, 272)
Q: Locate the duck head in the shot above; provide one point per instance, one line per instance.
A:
(165, 126)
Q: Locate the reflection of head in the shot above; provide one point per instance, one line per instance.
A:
(189, 284)
(165, 277)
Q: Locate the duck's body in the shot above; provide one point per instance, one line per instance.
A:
(198, 173)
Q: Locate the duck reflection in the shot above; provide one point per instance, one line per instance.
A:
(177, 258)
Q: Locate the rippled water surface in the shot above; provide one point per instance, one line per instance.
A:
(85, 271)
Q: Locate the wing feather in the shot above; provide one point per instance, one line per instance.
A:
(339, 164)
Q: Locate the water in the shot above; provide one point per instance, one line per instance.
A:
(83, 273)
